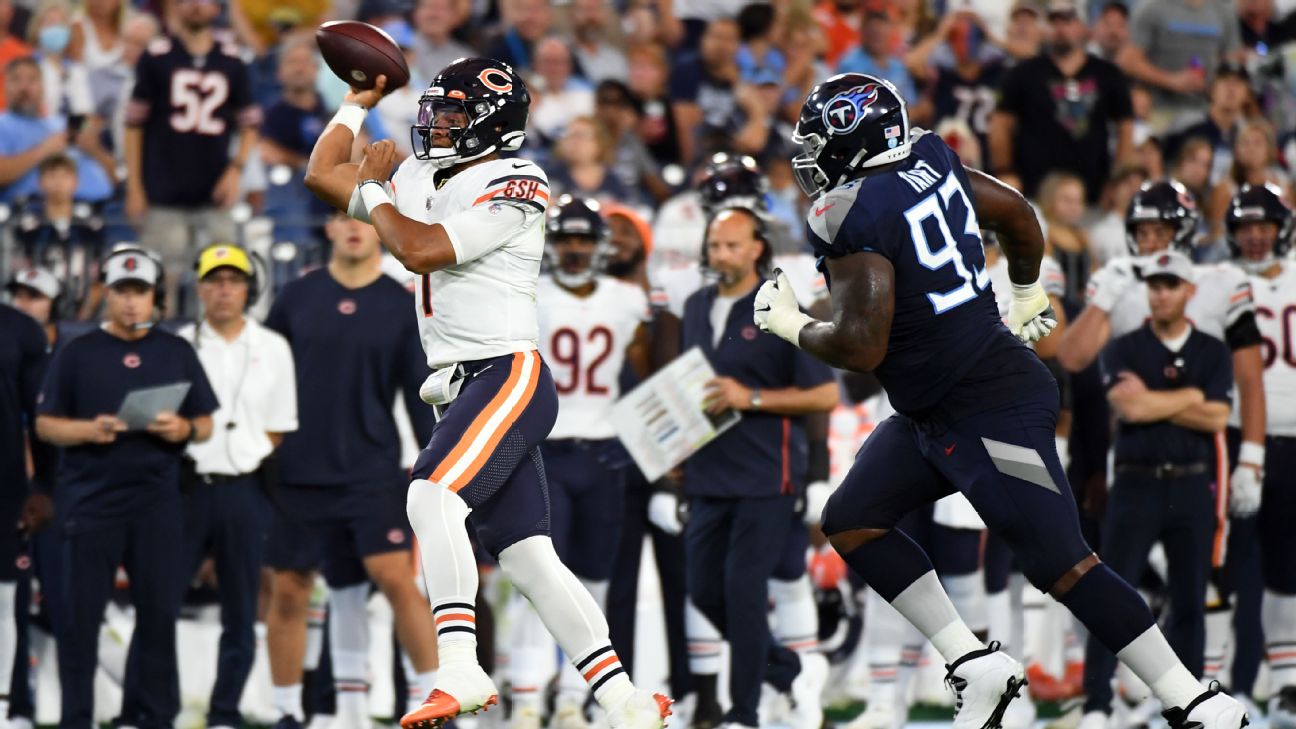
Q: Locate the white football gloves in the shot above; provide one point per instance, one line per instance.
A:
(776, 309)
(816, 498)
(1030, 315)
(663, 512)
(1108, 285)
(1248, 479)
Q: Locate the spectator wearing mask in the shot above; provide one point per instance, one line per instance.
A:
(1056, 110)
(557, 96)
(526, 22)
(702, 89)
(434, 47)
(875, 55)
(67, 85)
(840, 22)
(226, 513)
(118, 495)
(585, 154)
(1107, 233)
(63, 236)
(1174, 45)
(1231, 101)
(192, 92)
(28, 137)
(11, 46)
(649, 73)
(1110, 34)
(1255, 163)
(593, 22)
(620, 114)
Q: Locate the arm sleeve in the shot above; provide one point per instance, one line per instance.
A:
(1240, 329)
(145, 92)
(246, 111)
(483, 228)
(281, 408)
(200, 400)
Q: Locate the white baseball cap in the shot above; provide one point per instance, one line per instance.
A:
(131, 265)
(1166, 263)
(38, 279)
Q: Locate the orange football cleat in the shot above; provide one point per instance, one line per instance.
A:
(440, 707)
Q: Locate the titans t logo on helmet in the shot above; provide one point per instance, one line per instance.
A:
(844, 111)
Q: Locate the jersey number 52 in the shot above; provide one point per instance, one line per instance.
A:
(946, 252)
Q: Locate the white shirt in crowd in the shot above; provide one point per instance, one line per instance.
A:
(255, 382)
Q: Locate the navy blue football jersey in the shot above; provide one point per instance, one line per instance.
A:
(949, 351)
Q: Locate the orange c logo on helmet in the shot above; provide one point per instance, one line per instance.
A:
(492, 78)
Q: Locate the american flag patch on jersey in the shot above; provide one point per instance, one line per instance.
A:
(529, 190)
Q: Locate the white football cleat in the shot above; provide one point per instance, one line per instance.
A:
(1093, 720)
(1282, 709)
(1019, 714)
(1211, 710)
(641, 710)
(807, 692)
(984, 683)
(877, 715)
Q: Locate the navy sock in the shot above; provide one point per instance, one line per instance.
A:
(1111, 609)
(890, 563)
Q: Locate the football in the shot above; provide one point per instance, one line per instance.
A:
(359, 53)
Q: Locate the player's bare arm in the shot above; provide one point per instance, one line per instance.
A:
(1002, 209)
(1084, 339)
(1248, 373)
(330, 173)
(863, 303)
(421, 248)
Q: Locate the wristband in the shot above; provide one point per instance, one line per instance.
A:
(1251, 454)
(372, 194)
(1025, 291)
(351, 116)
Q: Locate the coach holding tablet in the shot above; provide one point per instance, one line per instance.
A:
(117, 498)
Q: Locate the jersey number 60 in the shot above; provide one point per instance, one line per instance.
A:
(936, 205)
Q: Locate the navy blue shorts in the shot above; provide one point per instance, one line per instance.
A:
(792, 564)
(485, 447)
(1004, 460)
(334, 528)
(587, 498)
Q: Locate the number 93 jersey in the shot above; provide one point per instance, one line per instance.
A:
(584, 341)
(483, 306)
(948, 352)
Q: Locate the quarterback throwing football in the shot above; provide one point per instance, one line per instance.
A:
(471, 226)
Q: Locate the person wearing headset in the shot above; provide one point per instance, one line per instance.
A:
(226, 508)
(742, 487)
(117, 496)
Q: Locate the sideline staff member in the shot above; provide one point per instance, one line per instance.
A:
(226, 510)
(118, 495)
(743, 486)
(1170, 387)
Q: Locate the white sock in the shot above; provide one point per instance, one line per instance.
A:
(288, 701)
(438, 518)
(1152, 659)
(1278, 618)
(570, 614)
(883, 642)
(928, 608)
(316, 610)
(8, 640)
(796, 617)
(1219, 634)
(999, 619)
(704, 642)
(967, 595)
(532, 655)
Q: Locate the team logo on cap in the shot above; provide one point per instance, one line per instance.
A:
(396, 536)
(1164, 260)
(23, 562)
(130, 264)
(845, 111)
(347, 306)
(131, 360)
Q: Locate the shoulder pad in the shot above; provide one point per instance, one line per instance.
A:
(159, 46)
(827, 214)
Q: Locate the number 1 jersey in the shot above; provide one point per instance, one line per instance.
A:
(949, 354)
(584, 340)
(189, 107)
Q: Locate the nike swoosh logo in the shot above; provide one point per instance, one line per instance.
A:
(824, 209)
(520, 166)
(478, 372)
(950, 450)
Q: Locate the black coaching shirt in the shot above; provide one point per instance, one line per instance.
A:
(90, 376)
(1203, 362)
(355, 350)
(189, 107)
(22, 364)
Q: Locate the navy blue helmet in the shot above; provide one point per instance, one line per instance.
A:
(580, 217)
(490, 95)
(729, 180)
(848, 123)
(1259, 203)
(1166, 201)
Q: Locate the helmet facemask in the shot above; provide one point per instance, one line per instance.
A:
(465, 144)
(598, 255)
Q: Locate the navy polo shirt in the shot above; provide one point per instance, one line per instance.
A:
(764, 454)
(354, 350)
(1203, 362)
(90, 376)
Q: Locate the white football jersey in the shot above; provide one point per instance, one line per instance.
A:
(584, 341)
(1223, 295)
(484, 307)
(1275, 307)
